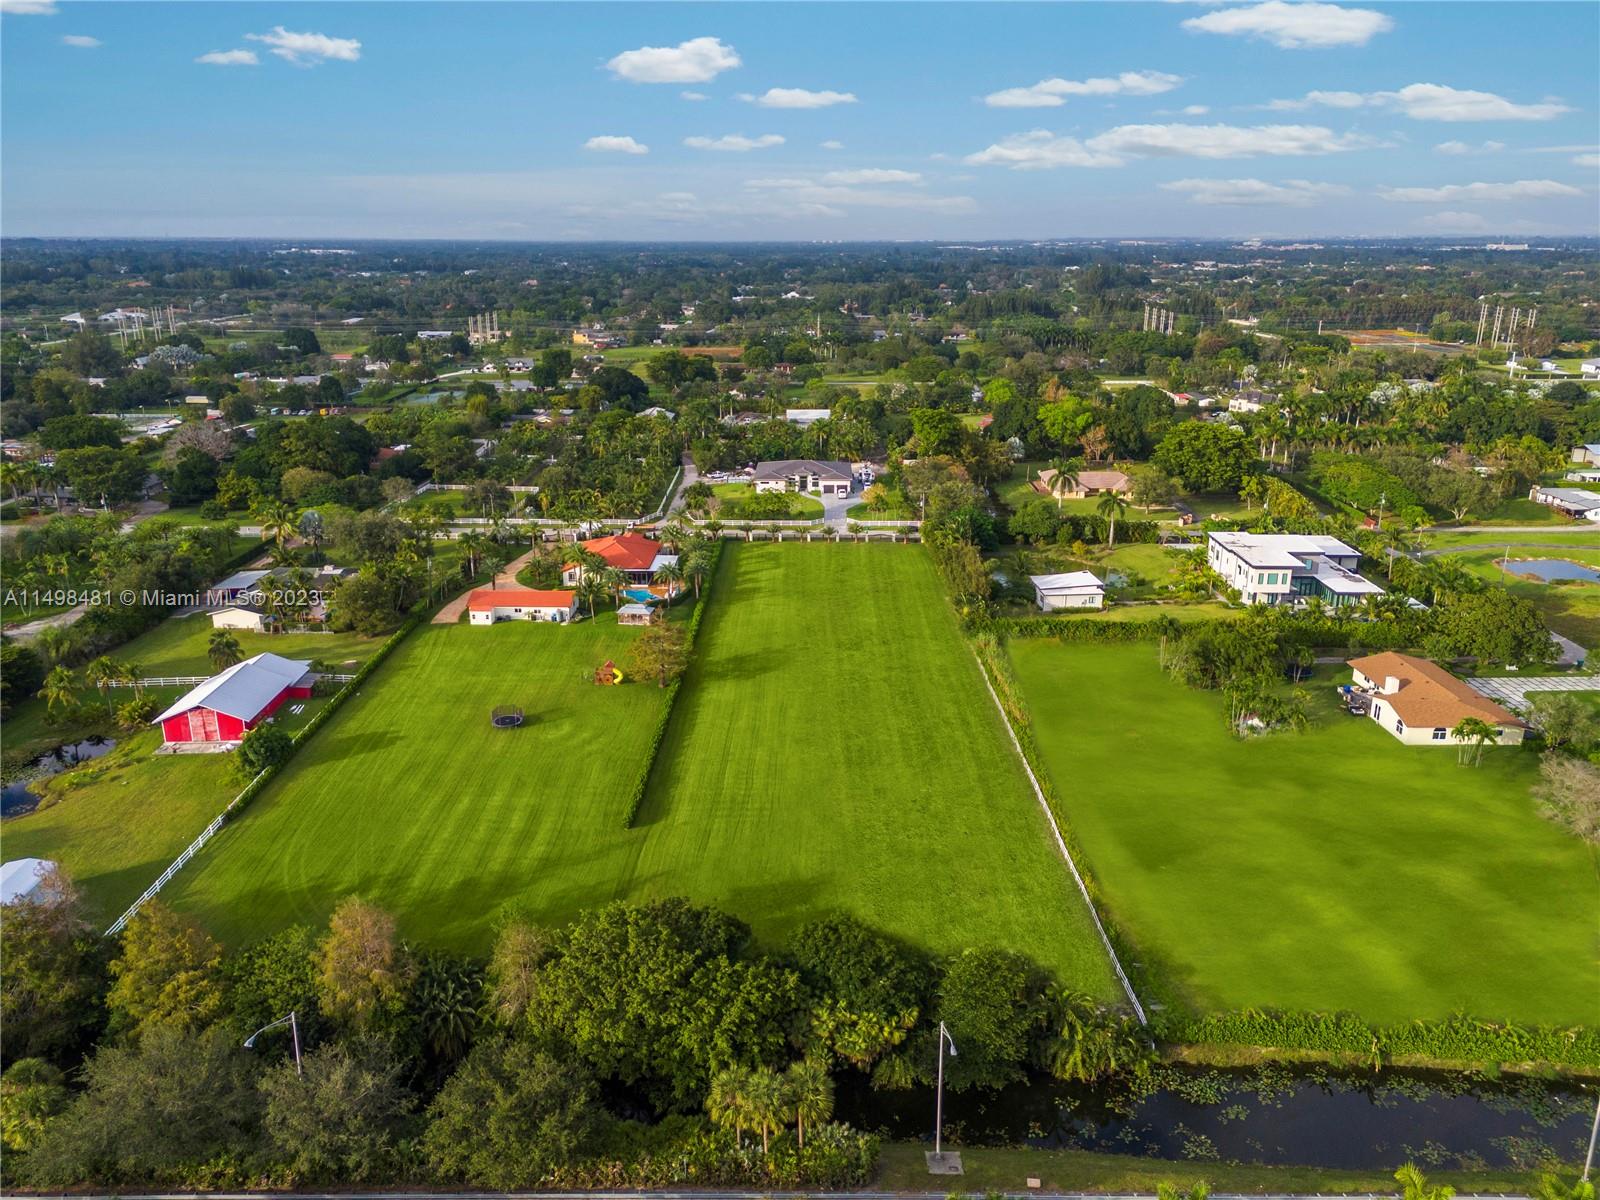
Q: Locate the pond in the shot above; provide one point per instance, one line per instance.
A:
(1270, 1116)
(18, 797)
(1550, 569)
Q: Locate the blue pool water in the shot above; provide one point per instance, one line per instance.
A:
(1553, 568)
(639, 595)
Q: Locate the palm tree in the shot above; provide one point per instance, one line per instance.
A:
(133, 675)
(223, 649)
(102, 673)
(1551, 1188)
(764, 1092)
(727, 1102)
(696, 561)
(810, 1095)
(1065, 478)
(57, 641)
(277, 521)
(472, 544)
(1472, 735)
(58, 689)
(1113, 508)
(669, 575)
(590, 588)
(1415, 1186)
(613, 580)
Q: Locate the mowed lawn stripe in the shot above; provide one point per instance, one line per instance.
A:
(1331, 870)
(411, 798)
(834, 748)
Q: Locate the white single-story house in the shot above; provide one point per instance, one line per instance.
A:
(1573, 502)
(23, 879)
(655, 410)
(1419, 702)
(242, 616)
(485, 606)
(806, 416)
(1590, 368)
(804, 475)
(1284, 568)
(1587, 455)
(1589, 476)
(234, 586)
(1073, 589)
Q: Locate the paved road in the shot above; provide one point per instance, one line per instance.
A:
(1581, 527)
(1514, 546)
(1514, 692)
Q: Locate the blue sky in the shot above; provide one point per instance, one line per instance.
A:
(773, 121)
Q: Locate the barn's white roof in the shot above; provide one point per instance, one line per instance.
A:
(1070, 581)
(20, 877)
(244, 689)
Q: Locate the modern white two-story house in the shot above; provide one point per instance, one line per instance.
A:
(1287, 568)
(804, 475)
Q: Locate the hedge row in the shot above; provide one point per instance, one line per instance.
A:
(1459, 1039)
(1299, 629)
(641, 782)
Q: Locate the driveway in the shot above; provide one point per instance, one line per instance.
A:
(451, 613)
(1514, 692)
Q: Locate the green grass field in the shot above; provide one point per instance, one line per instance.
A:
(1331, 870)
(1570, 607)
(732, 499)
(849, 763)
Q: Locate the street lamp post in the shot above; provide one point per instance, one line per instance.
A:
(294, 1033)
(1594, 1132)
(939, 1162)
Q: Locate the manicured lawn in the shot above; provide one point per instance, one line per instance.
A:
(894, 510)
(902, 1168)
(812, 765)
(835, 748)
(1331, 870)
(1578, 535)
(1570, 607)
(733, 497)
(1521, 511)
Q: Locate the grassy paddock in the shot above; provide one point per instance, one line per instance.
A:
(832, 748)
(1331, 870)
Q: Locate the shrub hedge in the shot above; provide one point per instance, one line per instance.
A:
(641, 782)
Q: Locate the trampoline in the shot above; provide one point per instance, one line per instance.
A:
(506, 718)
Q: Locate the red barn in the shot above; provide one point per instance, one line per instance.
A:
(227, 706)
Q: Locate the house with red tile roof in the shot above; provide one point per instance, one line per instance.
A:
(636, 556)
(485, 606)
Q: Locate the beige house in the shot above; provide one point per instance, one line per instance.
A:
(242, 616)
(1420, 702)
(1087, 483)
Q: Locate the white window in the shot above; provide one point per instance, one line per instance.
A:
(1439, 735)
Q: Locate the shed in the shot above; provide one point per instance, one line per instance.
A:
(227, 706)
(23, 879)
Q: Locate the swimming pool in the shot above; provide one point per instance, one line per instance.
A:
(640, 595)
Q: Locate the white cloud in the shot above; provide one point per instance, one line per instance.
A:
(1041, 149)
(693, 96)
(836, 199)
(833, 144)
(1196, 110)
(1051, 93)
(28, 8)
(1430, 102)
(230, 58)
(1305, 26)
(613, 144)
(872, 175)
(798, 98)
(736, 142)
(1586, 160)
(81, 41)
(698, 60)
(1459, 148)
(307, 49)
(1522, 189)
(1293, 193)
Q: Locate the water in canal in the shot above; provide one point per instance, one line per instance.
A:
(19, 797)
(1271, 1116)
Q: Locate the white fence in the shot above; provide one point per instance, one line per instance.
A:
(192, 680)
(206, 834)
